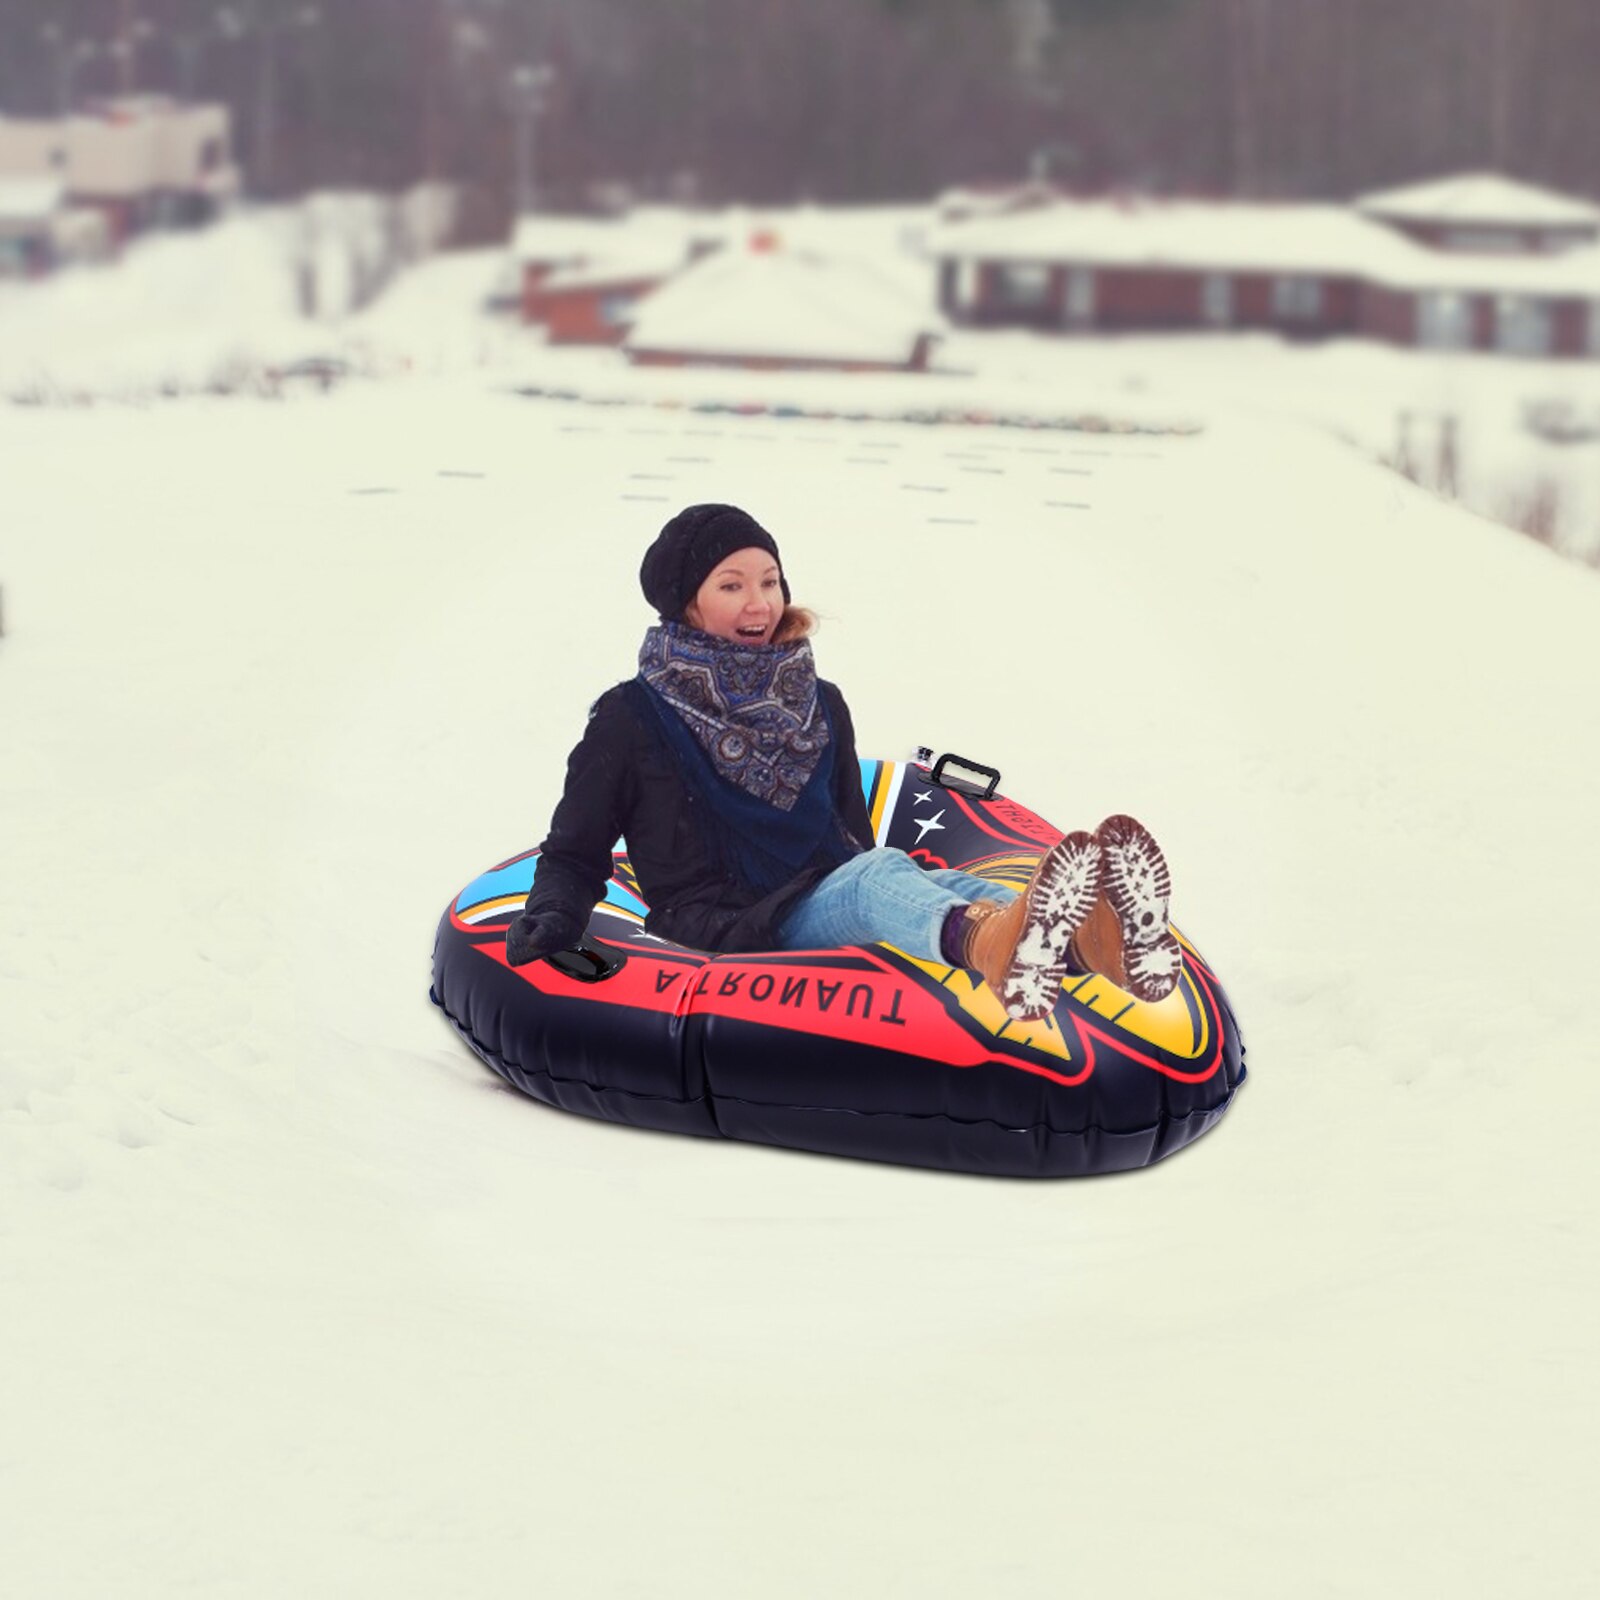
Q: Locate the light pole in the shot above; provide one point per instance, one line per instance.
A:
(190, 49)
(69, 54)
(529, 85)
(124, 49)
(189, 45)
(235, 22)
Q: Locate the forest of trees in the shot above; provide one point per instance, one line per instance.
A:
(852, 100)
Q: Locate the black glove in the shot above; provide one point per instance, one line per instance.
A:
(534, 935)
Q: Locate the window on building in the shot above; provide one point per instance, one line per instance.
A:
(1444, 321)
(211, 155)
(616, 310)
(1216, 298)
(1522, 325)
(1025, 287)
(1297, 299)
(1594, 327)
(1485, 240)
(1079, 303)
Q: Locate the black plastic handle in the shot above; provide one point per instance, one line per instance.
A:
(589, 962)
(962, 785)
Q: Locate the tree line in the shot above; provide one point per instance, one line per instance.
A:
(850, 100)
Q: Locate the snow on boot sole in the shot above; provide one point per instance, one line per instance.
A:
(1138, 887)
(1063, 888)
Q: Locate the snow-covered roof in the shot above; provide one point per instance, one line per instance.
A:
(132, 105)
(620, 249)
(1324, 240)
(645, 236)
(30, 199)
(565, 239)
(627, 260)
(995, 200)
(786, 305)
(1201, 236)
(1481, 198)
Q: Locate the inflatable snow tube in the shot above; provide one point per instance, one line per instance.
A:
(864, 1052)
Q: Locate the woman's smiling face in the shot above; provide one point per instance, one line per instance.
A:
(742, 599)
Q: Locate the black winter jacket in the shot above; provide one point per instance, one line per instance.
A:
(623, 779)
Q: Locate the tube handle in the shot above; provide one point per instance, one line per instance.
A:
(588, 961)
(959, 782)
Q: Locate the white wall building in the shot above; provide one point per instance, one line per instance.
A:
(144, 161)
(39, 231)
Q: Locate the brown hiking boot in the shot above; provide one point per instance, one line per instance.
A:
(1125, 936)
(1020, 949)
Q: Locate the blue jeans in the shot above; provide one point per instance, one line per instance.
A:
(883, 894)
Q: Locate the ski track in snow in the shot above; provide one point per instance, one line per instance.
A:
(299, 1297)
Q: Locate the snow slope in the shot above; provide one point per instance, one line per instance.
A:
(219, 308)
(299, 1301)
(179, 309)
(1356, 390)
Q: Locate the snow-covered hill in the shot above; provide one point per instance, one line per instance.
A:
(220, 310)
(277, 678)
(297, 1299)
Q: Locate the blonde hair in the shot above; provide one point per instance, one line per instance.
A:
(797, 622)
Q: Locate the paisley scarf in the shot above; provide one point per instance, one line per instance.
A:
(750, 733)
(753, 709)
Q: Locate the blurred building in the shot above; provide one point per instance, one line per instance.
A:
(28, 211)
(767, 307)
(1479, 213)
(594, 302)
(142, 162)
(582, 277)
(39, 231)
(543, 245)
(1473, 262)
(677, 287)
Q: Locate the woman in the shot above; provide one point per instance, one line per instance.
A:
(731, 769)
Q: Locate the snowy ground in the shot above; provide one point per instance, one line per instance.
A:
(219, 310)
(298, 1300)
(1356, 390)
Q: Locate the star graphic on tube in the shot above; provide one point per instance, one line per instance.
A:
(928, 824)
(925, 794)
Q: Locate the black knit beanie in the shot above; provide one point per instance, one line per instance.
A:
(687, 550)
